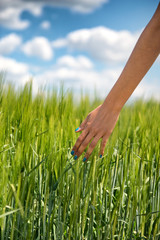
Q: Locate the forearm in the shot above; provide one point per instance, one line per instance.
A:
(143, 56)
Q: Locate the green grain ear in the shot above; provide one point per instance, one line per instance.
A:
(45, 193)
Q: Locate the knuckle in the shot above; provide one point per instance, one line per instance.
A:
(79, 139)
(93, 144)
(82, 125)
(83, 145)
(101, 134)
(77, 144)
(103, 145)
(88, 126)
(81, 149)
(93, 130)
(79, 153)
(108, 133)
(102, 148)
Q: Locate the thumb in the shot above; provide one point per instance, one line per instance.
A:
(82, 126)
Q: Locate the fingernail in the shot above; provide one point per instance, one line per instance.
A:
(75, 157)
(100, 156)
(72, 152)
(84, 159)
(76, 129)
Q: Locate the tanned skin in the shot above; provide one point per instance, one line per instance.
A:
(100, 123)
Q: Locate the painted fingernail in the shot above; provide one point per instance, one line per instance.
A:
(75, 157)
(84, 159)
(72, 152)
(100, 156)
(76, 129)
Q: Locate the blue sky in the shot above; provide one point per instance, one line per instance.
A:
(85, 44)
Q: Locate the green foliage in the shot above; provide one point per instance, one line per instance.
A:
(45, 194)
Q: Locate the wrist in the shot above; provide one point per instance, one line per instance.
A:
(113, 103)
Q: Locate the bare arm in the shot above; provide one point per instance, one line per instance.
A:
(143, 56)
(100, 123)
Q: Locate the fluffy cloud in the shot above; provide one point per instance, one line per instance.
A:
(90, 80)
(45, 25)
(9, 43)
(79, 62)
(39, 47)
(78, 73)
(101, 43)
(147, 90)
(81, 6)
(10, 10)
(16, 72)
(12, 66)
(10, 18)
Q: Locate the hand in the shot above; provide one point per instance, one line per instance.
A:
(89, 119)
(98, 124)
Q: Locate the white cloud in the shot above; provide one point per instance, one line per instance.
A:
(82, 6)
(60, 43)
(77, 76)
(10, 18)
(78, 73)
(101, 43)
(12, 66)
(16, 72)
(10, 10)
(147, 90)
(39, 47)
(45, 25)
(79, 62)
(9, 43)
(90, 80)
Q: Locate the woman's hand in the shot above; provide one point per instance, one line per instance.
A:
(89, 119)
(101, 122)
(98, 124)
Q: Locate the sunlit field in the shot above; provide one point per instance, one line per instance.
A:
(46, 194)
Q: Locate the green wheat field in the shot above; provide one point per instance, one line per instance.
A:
(46, 194)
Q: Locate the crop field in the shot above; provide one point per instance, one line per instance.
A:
(46, 194)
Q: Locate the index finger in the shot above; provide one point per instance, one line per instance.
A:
(79, 141)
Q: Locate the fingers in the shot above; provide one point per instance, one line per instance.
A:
(83, 145)
(93, 144)
(83, 141)
(79, 141)
(91, 147)
(103, 144)
(82, 126)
